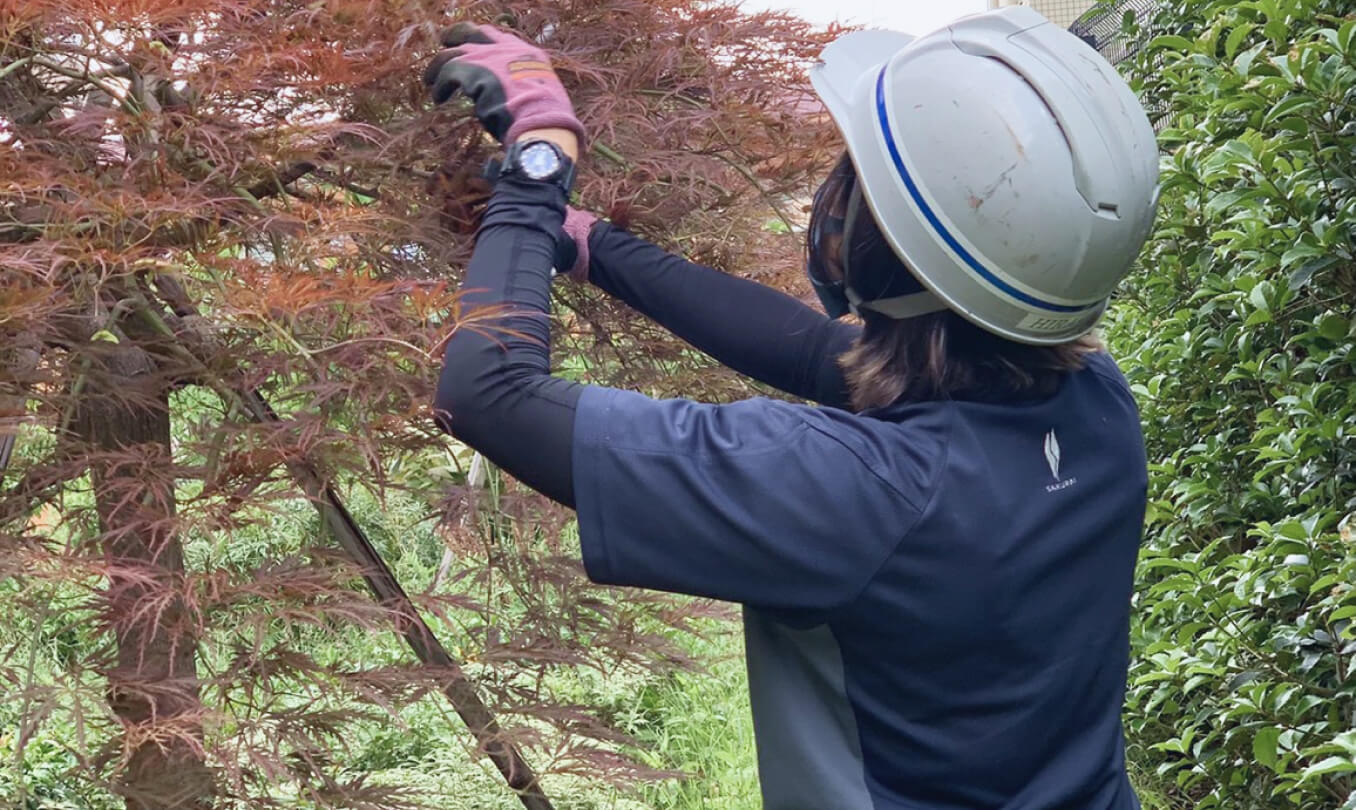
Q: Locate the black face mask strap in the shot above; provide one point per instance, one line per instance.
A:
(854, 206)
(832, 293)
(849, 222)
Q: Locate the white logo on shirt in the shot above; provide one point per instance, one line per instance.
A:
(1052, 453)
(1053, 458)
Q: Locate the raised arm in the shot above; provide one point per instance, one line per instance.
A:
(495, 392)
(746, 326)
(671, 494)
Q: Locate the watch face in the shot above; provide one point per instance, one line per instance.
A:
(539, 161)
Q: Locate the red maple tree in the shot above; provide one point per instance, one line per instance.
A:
(230, 236)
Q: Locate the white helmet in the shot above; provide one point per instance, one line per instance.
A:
(1007, 163)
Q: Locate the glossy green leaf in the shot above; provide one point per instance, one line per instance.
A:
(1264, 746)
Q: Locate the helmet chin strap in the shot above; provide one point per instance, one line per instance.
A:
(900, 307)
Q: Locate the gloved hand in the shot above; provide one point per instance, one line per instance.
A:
(578, 225)
(510, 81)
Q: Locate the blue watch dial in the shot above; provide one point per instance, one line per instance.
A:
(539, 161)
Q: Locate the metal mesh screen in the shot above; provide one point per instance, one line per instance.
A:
(1060, 12)
(1118, 30)
(1110, 27)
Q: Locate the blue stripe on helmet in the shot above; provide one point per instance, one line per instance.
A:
(936, 223)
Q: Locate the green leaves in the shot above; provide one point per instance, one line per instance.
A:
(1171, 43)
(1334, 327)
(1331, 765)
(1264, 746)
(1240, 343)
(1299, 253)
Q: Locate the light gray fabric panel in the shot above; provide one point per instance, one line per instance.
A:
(809, 753)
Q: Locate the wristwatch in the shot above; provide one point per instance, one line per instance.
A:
(542, 161)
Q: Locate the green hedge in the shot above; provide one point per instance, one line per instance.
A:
(1238, 336)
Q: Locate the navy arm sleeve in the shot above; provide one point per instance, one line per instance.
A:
(749, 327)
(495, 392)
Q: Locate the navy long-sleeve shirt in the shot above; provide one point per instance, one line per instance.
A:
(936, 594)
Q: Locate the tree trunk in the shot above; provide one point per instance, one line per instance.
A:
(152, 681)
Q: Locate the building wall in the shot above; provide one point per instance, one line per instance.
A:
(1060, 12)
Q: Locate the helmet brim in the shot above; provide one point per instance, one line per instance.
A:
(848, 60)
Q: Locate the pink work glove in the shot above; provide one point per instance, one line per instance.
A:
(510, 81)
(578, 226)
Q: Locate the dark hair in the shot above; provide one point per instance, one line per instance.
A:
(936, 356)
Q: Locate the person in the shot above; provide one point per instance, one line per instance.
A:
(935, 560)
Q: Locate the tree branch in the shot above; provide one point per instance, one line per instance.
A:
(278, 180)
(6, 448)
(95, 78)
(379, 577)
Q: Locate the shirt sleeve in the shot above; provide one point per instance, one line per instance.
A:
(778, 506)
(496, 392)
(744, 325)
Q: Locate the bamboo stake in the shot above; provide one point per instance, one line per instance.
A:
(475, 479)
